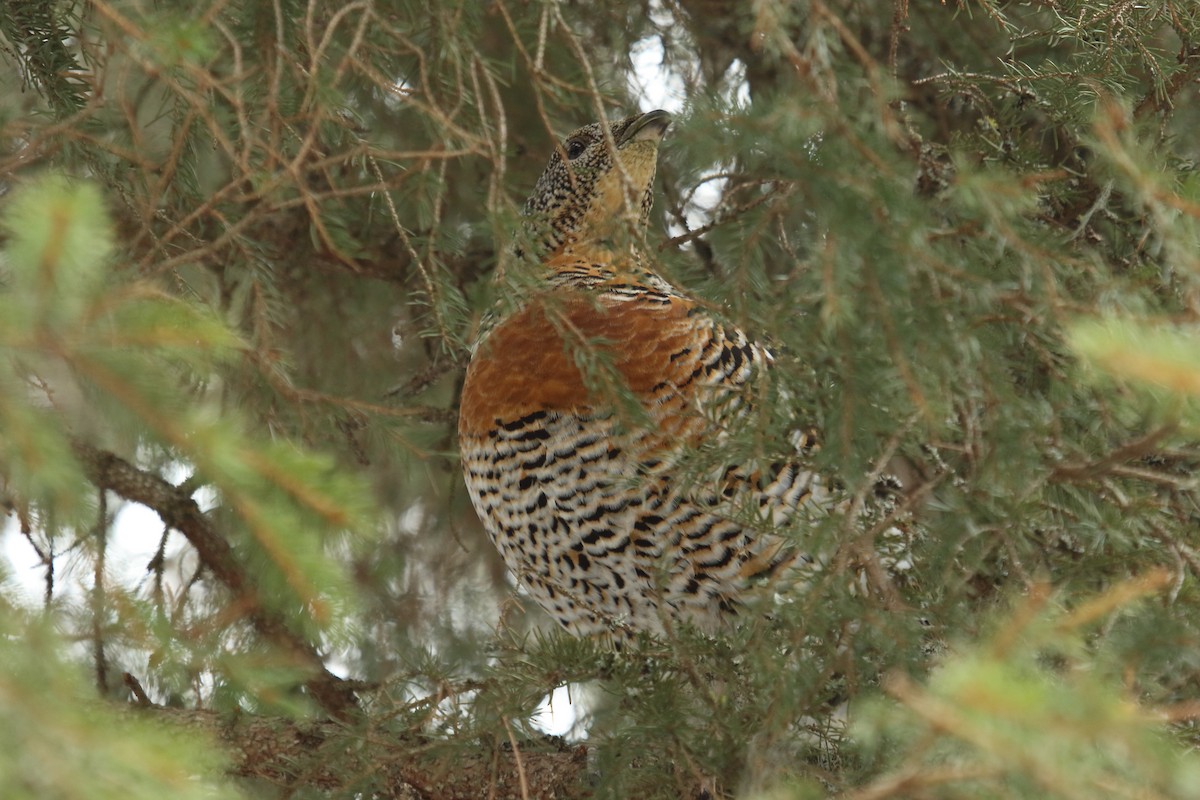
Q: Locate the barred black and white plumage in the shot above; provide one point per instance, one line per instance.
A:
(579, 406)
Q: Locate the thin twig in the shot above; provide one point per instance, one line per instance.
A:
(99, 660)
(517, 757)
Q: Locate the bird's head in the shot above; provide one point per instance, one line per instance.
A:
(581, 197)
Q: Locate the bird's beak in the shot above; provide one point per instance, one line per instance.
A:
(648, 127)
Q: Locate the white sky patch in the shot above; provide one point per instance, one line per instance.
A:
(559, 712)
(654, 84)
(700, 208)
(136, 533)
(659, 85)
(412, 519)
(24, 573)
(735, 88)
(133, 540)
(735, 91)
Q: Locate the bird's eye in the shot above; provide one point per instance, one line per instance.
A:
(575, 148)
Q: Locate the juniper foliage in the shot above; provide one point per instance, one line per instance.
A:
(245, 248)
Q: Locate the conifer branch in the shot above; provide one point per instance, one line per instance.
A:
(177, 509)
(295, 755)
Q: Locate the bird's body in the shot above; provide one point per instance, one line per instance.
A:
(578, 406)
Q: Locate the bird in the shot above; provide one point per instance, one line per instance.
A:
(583, 399)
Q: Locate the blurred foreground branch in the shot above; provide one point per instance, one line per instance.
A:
(178, 510)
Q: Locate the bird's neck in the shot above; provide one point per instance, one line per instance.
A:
(615, 246)
(594, 266)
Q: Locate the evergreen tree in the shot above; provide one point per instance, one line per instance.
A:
(245, 248)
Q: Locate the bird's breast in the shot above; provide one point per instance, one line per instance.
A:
(574, 351)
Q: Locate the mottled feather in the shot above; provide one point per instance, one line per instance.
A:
(578, 405)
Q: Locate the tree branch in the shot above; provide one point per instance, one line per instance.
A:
(178, 510)
(297, 755)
